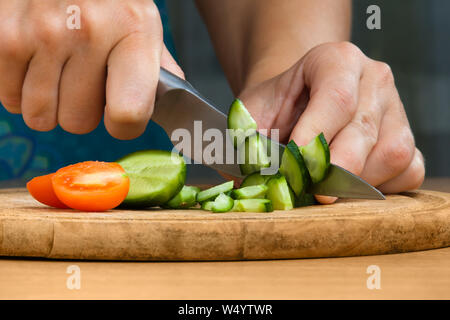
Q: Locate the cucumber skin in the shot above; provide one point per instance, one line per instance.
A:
(305, 200)
(145, 201)
(306, 178)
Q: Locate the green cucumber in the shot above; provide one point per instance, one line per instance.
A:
(156, 176)
(252, 205)
(304, 200)
(294, 169)
(207, 205)
(223, 203)
(250, 192)
(255, 179)
(240, 122)
(253, 154)
(317, 158)
(280, 194)
(186, 198)
(211, 193)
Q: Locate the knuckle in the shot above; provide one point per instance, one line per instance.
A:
(76, 127)
(343, 99)
(11, 103)
(384, 73)
(127, 116)
(366, 124)
(398, 154)
(11, 42)
(347, 49)
(49, 29)
(138, 13)
(40, 123)
(418, 171)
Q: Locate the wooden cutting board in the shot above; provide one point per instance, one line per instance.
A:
(408, 222)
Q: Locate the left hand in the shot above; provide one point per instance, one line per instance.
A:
(352, 99)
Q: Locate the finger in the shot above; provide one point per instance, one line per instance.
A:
(133, 71)
(40, 91)
(82, 92)
(394, 150)
(334, 87)
(410, 179)
(353, 144)
(15, 54)
(169, 63)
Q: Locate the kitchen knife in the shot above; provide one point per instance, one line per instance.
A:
(185, 114)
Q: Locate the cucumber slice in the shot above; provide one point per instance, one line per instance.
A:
(255, 179)
(251, 192)
(253, 154)
(317, 158)
(252, 205)
(156, 176)
(294, 169)
(223, 203)
(306, 199)
(280, 194)
(186, 198)
(240, 122)
(207, 205)
(212, 193)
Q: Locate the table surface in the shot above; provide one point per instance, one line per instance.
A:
(414, 275)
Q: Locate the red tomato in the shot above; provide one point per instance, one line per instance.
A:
(91, 185)
(41, 189)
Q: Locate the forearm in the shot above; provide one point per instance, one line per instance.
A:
(258, 39)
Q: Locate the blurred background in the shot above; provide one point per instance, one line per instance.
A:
(414, 40)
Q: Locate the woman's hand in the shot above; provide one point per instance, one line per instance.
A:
(56, 75)
(337, 90)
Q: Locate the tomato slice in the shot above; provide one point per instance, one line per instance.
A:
(41, 189)
(91, 185)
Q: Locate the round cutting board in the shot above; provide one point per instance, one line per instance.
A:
(407, 222)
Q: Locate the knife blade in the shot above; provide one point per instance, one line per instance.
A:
(182, 112)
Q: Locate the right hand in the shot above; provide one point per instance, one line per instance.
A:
(55, 75)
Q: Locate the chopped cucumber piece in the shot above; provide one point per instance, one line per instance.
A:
(255, 179)
(212, 193)
(304, 200)
(207, 205)
(251, 192)
(252, 205)
(223, 203)
(294, 169)
(253, 154)
(156, 176)
(186, 198)
(280, 194)
(240, 122)
(317, 158)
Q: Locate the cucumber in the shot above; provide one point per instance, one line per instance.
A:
(211, 193)
(255, 179)
(250, 192)
(240, 123)
(317, 158)
(252, 205)
(207, 205)
(186, 198)
(294, 169)
(306, 199)
(223, 203)
(280, 194)
(156, 176)
(253, 154)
